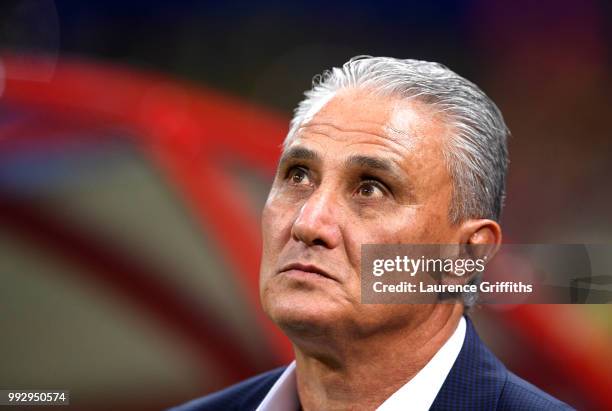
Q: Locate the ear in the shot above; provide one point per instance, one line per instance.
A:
(479, 233)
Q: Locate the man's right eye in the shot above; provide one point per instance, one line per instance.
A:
(298, 175)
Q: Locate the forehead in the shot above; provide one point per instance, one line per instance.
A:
(355, 119)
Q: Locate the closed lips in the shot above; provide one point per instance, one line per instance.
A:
(307, 268)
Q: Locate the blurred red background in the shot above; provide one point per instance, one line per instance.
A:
(137, 144)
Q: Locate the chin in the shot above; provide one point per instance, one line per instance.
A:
(299, 312)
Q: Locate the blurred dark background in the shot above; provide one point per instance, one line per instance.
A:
(137, 144)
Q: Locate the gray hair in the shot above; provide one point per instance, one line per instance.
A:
(476, 155)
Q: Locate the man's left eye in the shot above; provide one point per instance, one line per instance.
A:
(298, 175)
(370, 189)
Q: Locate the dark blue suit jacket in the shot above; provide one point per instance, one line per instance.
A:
(477, 381)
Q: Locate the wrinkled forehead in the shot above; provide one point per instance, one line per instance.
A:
(360, 114)
(348, 104)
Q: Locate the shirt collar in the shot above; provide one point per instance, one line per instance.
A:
(283, 394)
(419, 393)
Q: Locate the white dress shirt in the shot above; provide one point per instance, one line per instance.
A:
(417, 394)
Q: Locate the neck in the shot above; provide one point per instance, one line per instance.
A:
(349, 373)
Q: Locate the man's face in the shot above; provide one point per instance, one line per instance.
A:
(365, 169)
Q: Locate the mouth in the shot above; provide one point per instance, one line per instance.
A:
(305, 270)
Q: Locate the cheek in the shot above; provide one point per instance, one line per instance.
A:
(410, 226)
(385, 230)
(427, 226)
(276, 221)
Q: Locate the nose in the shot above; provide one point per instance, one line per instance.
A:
(317, 221)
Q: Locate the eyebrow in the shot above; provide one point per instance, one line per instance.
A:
(376, 164)
(370, 162)
(299, 153)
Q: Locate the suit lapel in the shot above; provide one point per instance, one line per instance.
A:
(476, 380)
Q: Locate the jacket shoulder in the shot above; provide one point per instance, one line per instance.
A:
(246, 395)
(478, 380)
(519, 394)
